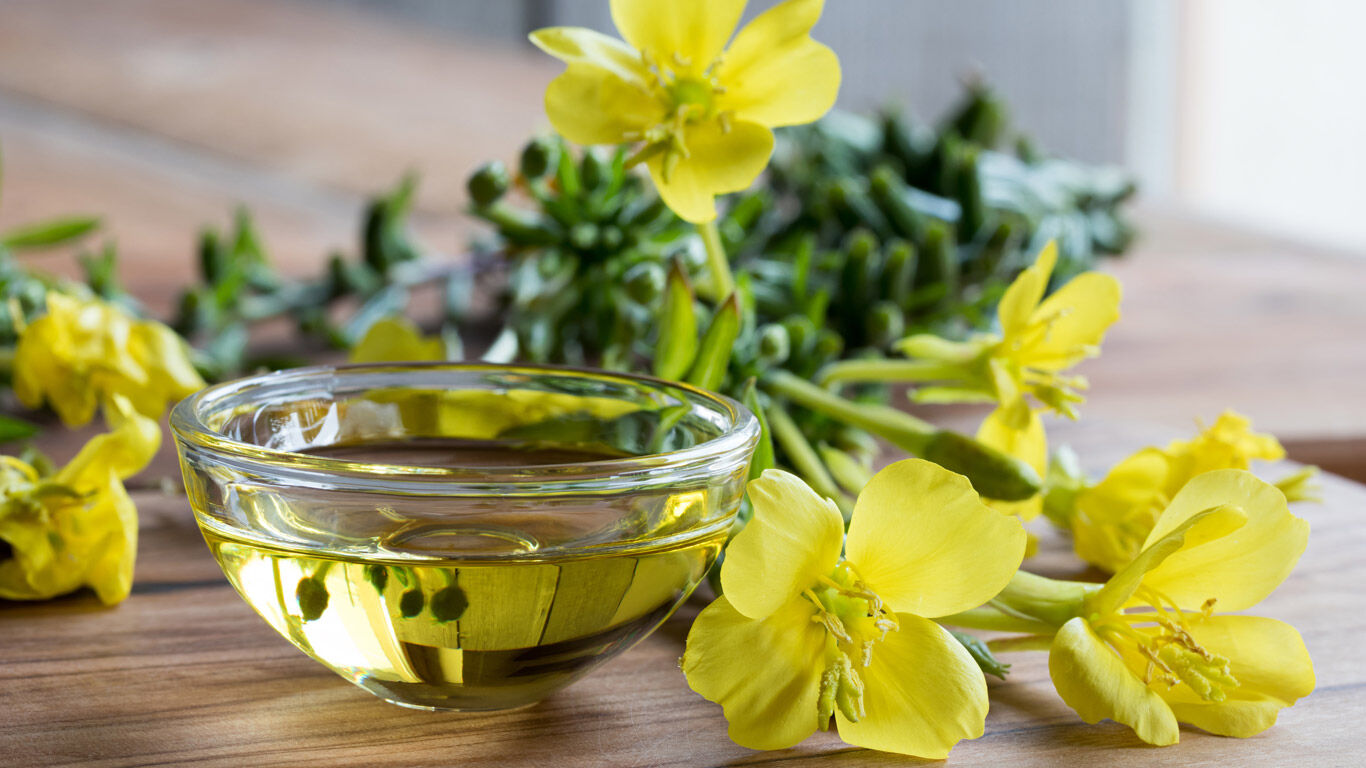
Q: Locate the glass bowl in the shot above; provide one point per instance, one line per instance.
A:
(463, 536)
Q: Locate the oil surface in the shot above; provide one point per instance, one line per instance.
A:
(502, 628)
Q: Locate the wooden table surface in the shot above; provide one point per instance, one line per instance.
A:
(162, 115)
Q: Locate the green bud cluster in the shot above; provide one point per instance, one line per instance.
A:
(587, 261)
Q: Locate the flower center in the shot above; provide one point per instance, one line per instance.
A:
(855, 621)
(686, 99)
(1161, 635)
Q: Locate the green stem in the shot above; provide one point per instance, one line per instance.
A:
(803, 457)
(1053, 601)
(999, 619)
(1025, 643)
(887, 370)
(901, 428)
(718, 266)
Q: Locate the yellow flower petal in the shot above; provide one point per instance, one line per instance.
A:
(110, 527)
(1093, 680)
(792, 540)
(1204, 527)
(1270, 662)
(718, 162)
(693, 30)
(396, 339)
(765, 673)
(926, 544)
(1022, 296)
(1239, 570)
(1026, 441)
(774, 73)
(1114, 516)
(1084, 309)
(590, 105)
(579, 45)
(922, 693)
(125, 451)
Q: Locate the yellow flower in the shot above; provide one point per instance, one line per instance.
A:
(77, 527)
(801, 634)
(701, 109)
(1113, 518)
(397, 340)
(1039, 340)
(85, 351)
(1149, 649)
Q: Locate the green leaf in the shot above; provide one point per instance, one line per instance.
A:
(717, 344)
(678, 332)
(15, 429)
(763, 452)
(46, 234)
(981, 654)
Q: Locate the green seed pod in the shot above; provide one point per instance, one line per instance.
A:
(538, 156)
(994, 474)
(311, 594)
(801, 334)
(611, 238)
(937, 270)
(489, 183)
(583, 236)
(829, 345)
(644, 282)
(774, 345)
(898, 273)
(861, 260)
(593, 171)
(213, 257)
(449, 604)
(888, 192)
(884, 324)
(378, 576)
(410, 603)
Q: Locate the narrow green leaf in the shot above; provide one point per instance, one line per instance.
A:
(763, 457)
(15, 429)
(46, 234)
(678, 330)
(717, 344)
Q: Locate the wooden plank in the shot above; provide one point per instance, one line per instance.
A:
(327, 93)
(183, 672)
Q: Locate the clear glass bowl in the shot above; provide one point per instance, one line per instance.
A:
(463, 536)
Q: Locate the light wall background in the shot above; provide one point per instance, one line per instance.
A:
(1252, 111)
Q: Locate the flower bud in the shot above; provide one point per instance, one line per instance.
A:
(489, 183)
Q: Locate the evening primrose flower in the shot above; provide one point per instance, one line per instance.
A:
(85, 351)
(77, 527)
(396, 340)
(1112, 519)
(1040, 339)
(701, 109)
(801, 633)
(1151, 648)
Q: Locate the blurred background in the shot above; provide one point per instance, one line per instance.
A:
(1242, 121)
(1242, 109)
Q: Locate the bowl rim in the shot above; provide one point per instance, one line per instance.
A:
(189, 428)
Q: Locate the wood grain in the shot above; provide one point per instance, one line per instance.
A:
(184, 673)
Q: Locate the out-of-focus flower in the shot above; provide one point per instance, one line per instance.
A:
(1149, 649)
(701, 109)
(801, 633)
(76, 527)
(1113, 518)
(84, 351)
(397, 340)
